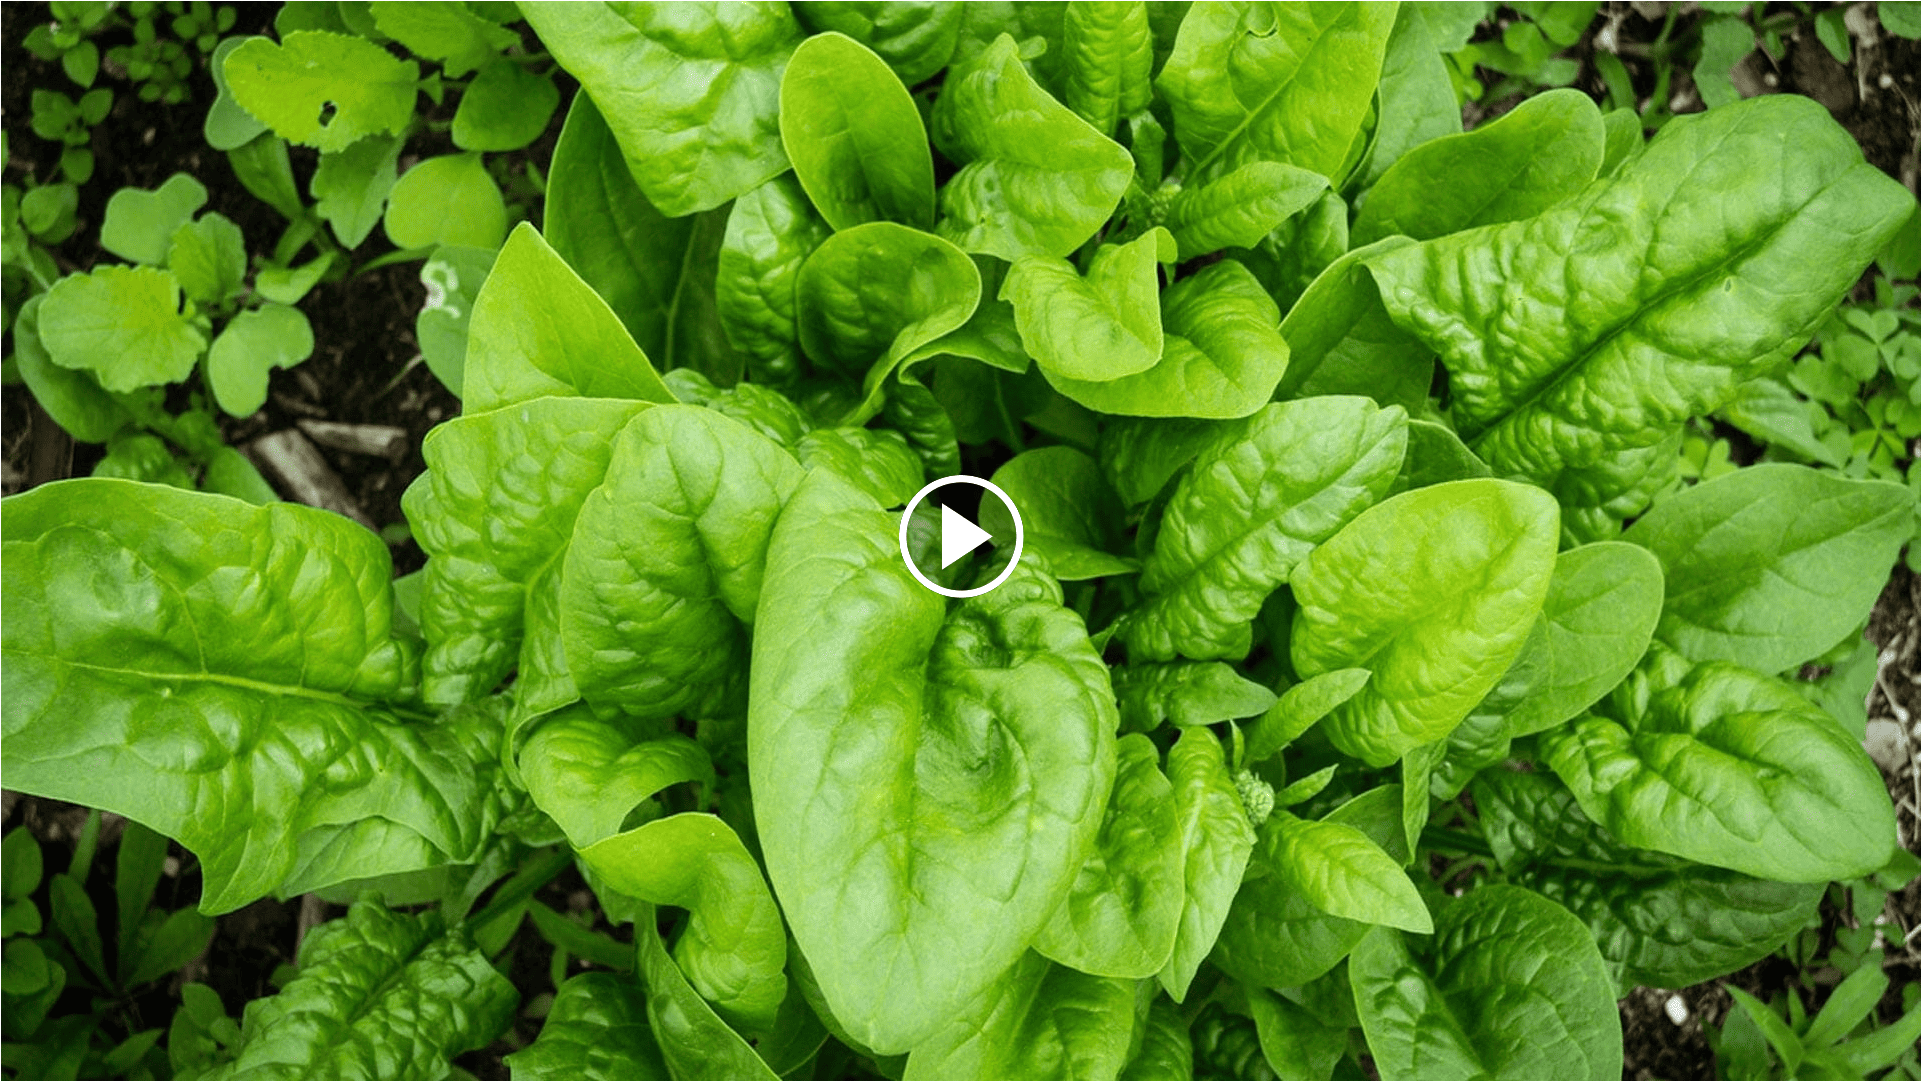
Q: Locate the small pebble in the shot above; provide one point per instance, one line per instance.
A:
(1677, 1010)
(1886, 81)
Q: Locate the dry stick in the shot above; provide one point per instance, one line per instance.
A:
(375, 440)
(304, 475)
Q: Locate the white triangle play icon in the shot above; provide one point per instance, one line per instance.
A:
(958, 536)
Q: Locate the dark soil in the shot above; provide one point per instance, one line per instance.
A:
(365, 369)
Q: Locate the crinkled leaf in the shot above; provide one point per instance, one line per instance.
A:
(1510, 988)
(691, 93)
(1434, 591)
(1542, 152)
(1240, 209)
(322, 89)
(1289, 84)
(538, 330)
(588, 775)
(378, 993)
(1035, 179)
(450, 199)
(863, 682)
(770, 232)
(1108, 57)
(254, 343)
(1140, 455)
(1068, 514)
(1124, 910)
(1191, 694)
(854, 136)
(1734, 769)
(1216, 841)
(876, 461)
(205, 680)
(915, 37)
(734, 949)
(659, 585)
(1771, 566)
(871, 295)
(696, 1044)
(496, 505)
(1221, 357)
(1249, 511)
(123, 324)
(596, 1030)
(1658, 921)
(1590, 330)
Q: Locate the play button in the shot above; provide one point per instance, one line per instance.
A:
(960, 536)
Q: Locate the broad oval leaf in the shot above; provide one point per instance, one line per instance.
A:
(227, 674)
(864, 684)
(1342, 340)
(450, 199)
(506, 107)
(1038, 1022)
(1543, 151)
(255, 342)
(1511, 988)
(1734, 769)
(140, 224)
(696, 1044)
(1191, 694)
(1771, 566)
(1434, 591)
(1589, 331)
(691, 93)
(1221, 355)
(1342, 872)
(854, 136)
(1288, 83)
(443, 30)
(1100, 326)
(538, 330)
(1252, 507)
(872, 294)
(1035, 179)
(1122, 914)
(71, 397)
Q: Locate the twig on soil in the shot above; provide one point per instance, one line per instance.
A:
(303, 474)
(376, 440)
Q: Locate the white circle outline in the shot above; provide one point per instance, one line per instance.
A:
(1020, 536)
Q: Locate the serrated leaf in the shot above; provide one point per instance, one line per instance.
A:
(123, 324)
(322, 89)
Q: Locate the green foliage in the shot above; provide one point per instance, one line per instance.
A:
(1179, 797)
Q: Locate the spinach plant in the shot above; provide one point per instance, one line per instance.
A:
(1326, 419)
